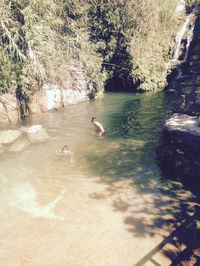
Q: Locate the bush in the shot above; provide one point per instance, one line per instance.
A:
(41, 40)
(137, 38)
(125, 42)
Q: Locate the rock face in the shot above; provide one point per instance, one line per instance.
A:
(188, 93)
(179, 153)
(182, 150)
(50, 97)
(184, 130)
(9, 110)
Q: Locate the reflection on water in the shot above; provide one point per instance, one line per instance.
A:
(111, 190)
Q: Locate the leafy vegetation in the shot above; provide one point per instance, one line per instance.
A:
(40, 41)
(112, 27)
(137, 38)
(124, 43)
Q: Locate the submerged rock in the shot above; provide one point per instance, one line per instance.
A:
(19, 145)
(37, 134)
(9, 136)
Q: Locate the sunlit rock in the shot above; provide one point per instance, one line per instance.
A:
(3, 114)
(53, 95)
(37, 134)
(184, 131)
(9, 136)
(19, 145)
(47, 99)
(72, 96)
(23, 129)
(33, 105)
(50, 98)
(184, 123)
(180, 6)
(9, 111)
(54, 98)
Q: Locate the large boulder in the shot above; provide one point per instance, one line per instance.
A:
(37, 134)
(9, 136)
(184, 131)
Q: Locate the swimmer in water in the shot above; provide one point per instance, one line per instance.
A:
(64, 151)
(98, 126)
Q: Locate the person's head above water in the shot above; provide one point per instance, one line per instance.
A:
(93, 119)
(66, 147)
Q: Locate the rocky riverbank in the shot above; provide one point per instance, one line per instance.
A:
(18, 140)
(183, 127)
(49, 98)
(183, 146)
(188, 93)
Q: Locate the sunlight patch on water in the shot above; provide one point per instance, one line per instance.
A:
(103, 207)
(24, 198)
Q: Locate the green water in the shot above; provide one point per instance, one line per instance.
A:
(97, 206)
(133, 124)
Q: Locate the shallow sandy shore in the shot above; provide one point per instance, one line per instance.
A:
(78, 221)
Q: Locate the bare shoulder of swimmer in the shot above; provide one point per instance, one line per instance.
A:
(66, 149)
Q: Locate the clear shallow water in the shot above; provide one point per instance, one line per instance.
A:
(111, 189)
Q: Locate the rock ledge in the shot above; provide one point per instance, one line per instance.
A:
(184, 131)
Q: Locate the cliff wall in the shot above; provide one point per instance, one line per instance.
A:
(181, 153)
(49, 97)
(188, 87)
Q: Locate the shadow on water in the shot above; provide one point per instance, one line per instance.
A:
(185, 242)
(126, 161)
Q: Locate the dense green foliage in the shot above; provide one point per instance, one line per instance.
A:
(126, 42)
(137, 37)
(40, 41)
(112, 27)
